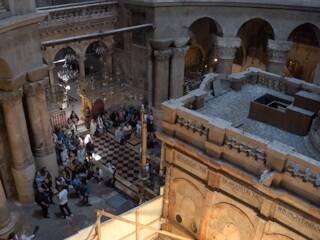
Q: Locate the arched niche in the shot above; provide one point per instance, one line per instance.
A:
(95, 63)
(227, 221)
(200, 56)
(304, 54)
(254, 35)
(66, 58)
(187, 202)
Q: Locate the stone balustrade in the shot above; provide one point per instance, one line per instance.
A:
(218, 139)
(75, 13)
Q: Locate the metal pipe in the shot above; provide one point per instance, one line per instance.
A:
(97, 35)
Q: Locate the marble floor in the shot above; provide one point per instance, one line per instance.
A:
(56, 228)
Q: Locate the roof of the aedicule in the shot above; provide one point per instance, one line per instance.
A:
(233, 106)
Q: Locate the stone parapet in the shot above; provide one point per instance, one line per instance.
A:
(216, 137)
(74, 13)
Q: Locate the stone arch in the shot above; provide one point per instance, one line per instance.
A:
(304, 54)
(313, 29)
(227, 221)
(95, 60)
(62, 51)
(247, 20)
(187, 202)
(216, 27)
(202, 32)
(254, 34)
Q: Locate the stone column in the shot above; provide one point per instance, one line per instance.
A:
(277, 55)
(41, 131)
(316, 78)
(161, 76)
(162, 158)
(225, 52)
(21, 156)
(52, 83)
(82, 73)
(7, 220)
(177, 71)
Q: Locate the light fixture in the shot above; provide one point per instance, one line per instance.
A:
(67, 73)
(215, 60)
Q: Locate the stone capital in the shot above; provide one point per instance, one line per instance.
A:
(162, 55)
(180, 52)
(38, 73)
(278, 51)
(31, 88)
(161, 44)
(226, 47)
(228, 42)
(181, 42)
(8, 96)
(279, 45)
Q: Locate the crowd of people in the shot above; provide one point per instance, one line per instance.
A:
(77, 161)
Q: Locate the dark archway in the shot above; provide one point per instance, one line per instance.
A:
(200, 56)
(66, 73)
(66, 65)
(254, 35)
(304, 54)
(95, 63)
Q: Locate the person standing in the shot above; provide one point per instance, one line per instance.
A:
(42, 200)
(63, 202)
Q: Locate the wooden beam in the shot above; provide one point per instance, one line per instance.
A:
(109, 215)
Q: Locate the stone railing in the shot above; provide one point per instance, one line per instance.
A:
(216, 137)
(64, 14)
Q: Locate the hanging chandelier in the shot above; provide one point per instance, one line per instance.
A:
(100, 50)
(67, 73)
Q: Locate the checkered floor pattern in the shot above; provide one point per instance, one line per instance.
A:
(125, 159)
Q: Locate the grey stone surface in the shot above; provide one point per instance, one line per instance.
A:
(234, 107)
(56, 228)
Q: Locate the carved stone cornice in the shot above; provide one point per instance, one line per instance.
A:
(38, 73)
(278, 51)
(162, 55)
(180, 52)
(160, 44)
(31, 88)
(10, 96)
(74, 14)
(226, 47)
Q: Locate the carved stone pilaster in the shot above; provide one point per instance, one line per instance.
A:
(225, 51)
(10, 96)
(39, 123)
(226, 47)
(19, 144)
(177, 69)
(278, 51)
(180, 52)
(161, 76)
(162, 55)
(31, 88)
